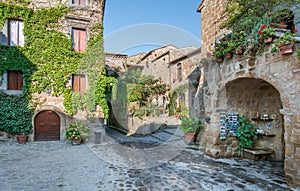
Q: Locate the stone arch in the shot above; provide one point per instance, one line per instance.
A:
(61, 115)
(249, 96)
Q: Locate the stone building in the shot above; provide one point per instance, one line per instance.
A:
(115, 63)
(172, 66)
(50, 119)
(265, 84)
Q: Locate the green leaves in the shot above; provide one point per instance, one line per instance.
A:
(15, 114)
(190, 124)
(246, 133)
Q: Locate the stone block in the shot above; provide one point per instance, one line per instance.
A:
(297, 153)
(295, 136)
(289, 150)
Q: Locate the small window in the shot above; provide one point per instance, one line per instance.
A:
(78, 83)
(79, 2)
(79, 40)
(14, 80)
(179, 71)
(15, 33)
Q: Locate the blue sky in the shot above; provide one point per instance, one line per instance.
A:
(134, 26)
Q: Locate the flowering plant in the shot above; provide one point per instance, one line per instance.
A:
(73, 132)
(266, 32)
(287, 38)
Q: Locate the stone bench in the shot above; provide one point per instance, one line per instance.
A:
(258, 154)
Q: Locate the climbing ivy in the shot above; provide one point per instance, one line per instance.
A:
(47, 60)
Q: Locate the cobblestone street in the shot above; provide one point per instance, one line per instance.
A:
(156, 162)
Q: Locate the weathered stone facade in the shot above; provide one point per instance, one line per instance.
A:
(266, 84)
(81, 17)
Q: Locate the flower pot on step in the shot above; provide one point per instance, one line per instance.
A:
(76, 141)
(189, 138)
(22, 139)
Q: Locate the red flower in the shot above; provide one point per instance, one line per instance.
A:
(263, 27)
(283, 23)
(260, 33)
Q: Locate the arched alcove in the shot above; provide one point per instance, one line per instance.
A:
(253, 98)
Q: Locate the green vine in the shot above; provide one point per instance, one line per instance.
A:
(47, 60)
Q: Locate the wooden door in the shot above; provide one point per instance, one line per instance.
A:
(47, 126)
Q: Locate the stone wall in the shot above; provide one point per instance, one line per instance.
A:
(267, 83)
(211, 18)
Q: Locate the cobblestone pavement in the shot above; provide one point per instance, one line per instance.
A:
(157, 162)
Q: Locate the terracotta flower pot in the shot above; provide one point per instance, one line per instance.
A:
(76, 141)
(286, 48)
(268, 40)
(228, 55)
(220, 59)
(22, 139)
(190, 137)
(239, 51)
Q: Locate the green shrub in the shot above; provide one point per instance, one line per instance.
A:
(190, 125)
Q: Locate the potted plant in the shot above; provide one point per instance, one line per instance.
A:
(285, 43)
(246, 133)
(239, 50)
(77, 132)
(22, 134)
(228, 49)
(281, 18)
(266, 34)
(190, 127)
(219, 51)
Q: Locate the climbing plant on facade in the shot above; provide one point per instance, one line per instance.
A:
(47, 60)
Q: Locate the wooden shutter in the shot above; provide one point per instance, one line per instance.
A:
(14, 80)
(79, 2)
(79, 83)
(79, 40)
(82, 2)
(75, 83)
(179, 71)
(16, 35)
(82, 83)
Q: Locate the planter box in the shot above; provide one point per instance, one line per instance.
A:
(286, 48)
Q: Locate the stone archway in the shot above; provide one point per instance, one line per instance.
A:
(249, 97)
(46, 126)
(57, 120)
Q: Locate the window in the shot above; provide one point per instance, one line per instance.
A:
(79, 40)
(14, 80)
(78, 83)
(179, 71)
(15, 33)
(79, 2)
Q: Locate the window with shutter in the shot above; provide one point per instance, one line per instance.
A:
(78, 83)
(15, 33)
(179, 71)
(79, 2)
(14, 80)
(79, 40)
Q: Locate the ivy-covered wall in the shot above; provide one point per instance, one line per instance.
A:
(47, 62)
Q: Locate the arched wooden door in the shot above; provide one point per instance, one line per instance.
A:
(47, 126)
